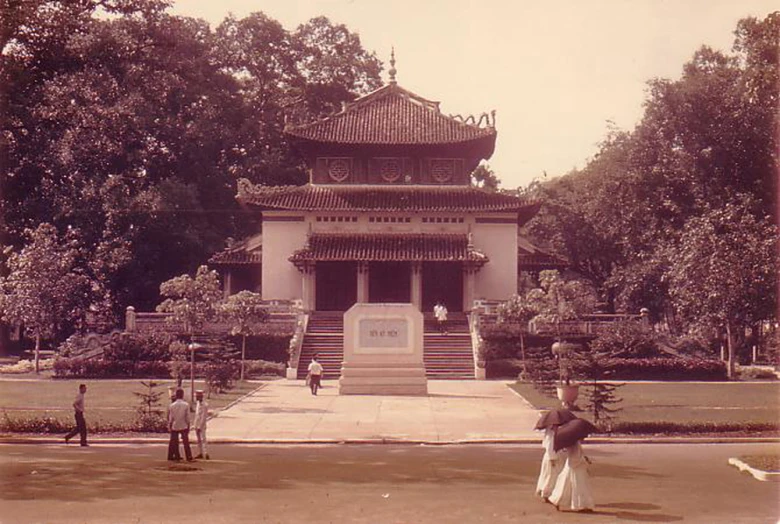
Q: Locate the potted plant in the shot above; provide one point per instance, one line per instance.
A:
(567, 392)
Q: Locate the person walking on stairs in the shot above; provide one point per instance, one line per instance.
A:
(315, 372)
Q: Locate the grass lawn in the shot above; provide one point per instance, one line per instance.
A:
(701, 402)
(107, 401)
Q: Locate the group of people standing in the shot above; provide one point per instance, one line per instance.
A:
(179, 424)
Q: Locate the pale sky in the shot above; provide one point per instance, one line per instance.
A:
(555, 71)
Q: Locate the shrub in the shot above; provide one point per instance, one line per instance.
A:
(221, 375)
(259, 368)
(626, 339)
(503, 368)
(756, 373)
(501, 341)
(101, 368)
(47, 424)
(139, 347)
(663, 369)
(26, 366)
(678, 428)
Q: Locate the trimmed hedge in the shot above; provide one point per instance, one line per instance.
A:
(689, 428)
(664, 369)
(102, 368)
(51, 425)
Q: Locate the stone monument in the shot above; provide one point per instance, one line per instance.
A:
(383, 351)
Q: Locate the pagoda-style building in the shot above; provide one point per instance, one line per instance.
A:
(389, 214)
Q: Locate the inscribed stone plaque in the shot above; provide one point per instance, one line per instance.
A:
(376, 334)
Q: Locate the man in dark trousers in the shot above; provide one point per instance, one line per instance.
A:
(179, 424)
(81, 424)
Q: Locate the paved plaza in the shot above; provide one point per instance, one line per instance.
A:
(454, 411)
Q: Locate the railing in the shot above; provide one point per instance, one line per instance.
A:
(476, 343)
(590, 325)
(282, 319)
(296, 344)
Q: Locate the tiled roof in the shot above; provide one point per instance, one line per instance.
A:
(383, 198)
(397, 247)
(236, 255)
(392, 115)
(530, 256)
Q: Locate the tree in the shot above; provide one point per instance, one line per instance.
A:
(191, 301)
(724, 271)
(485, 178)
(243, 310)
(44, 288)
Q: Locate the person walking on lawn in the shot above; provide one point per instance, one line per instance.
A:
(201, 419)
(81, 424)
(179, 424)
(315, 372)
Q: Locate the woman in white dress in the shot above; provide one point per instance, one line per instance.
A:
(552, 465)
(572, 489)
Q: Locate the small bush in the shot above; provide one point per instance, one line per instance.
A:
(259, 368)
(77, 367)
(626, 339)
(756, 373)
(43, 424)
(220, 376)
(503, 368)
(26, 366)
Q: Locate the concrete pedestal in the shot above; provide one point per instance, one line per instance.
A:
(383, 351)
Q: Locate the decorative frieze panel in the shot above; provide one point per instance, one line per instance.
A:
(339, 169)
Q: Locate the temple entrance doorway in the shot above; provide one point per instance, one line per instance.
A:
(442, 281)
(336, 286)
(389, 282)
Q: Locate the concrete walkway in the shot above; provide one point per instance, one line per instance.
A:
(454, 411)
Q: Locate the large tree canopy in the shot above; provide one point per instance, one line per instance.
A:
(133, 128)
(707, 144)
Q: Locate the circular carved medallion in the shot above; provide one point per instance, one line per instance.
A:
(338, 169)
(442, 169)
(390, 169)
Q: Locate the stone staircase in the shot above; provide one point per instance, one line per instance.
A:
(446, 356)
(324, 336)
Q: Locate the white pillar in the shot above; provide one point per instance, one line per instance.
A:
(417, 284)
(468, 287)
(228, 288)
(362, 282)
(308, 287)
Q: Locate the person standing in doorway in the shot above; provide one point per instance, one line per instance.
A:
(81, 424)
(179, 425)
(201, 419)
(315, 371)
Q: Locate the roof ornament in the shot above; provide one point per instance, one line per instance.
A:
(392, 65)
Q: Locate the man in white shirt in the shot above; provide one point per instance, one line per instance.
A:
(201, 418)
(179, 424)
(315, 372)
(81, 424)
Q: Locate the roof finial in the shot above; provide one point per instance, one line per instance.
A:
(392, 65)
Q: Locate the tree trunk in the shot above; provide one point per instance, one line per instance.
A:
(37, 353)
(730, 345)
(243, 355)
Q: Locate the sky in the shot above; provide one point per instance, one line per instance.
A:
(559, 73)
